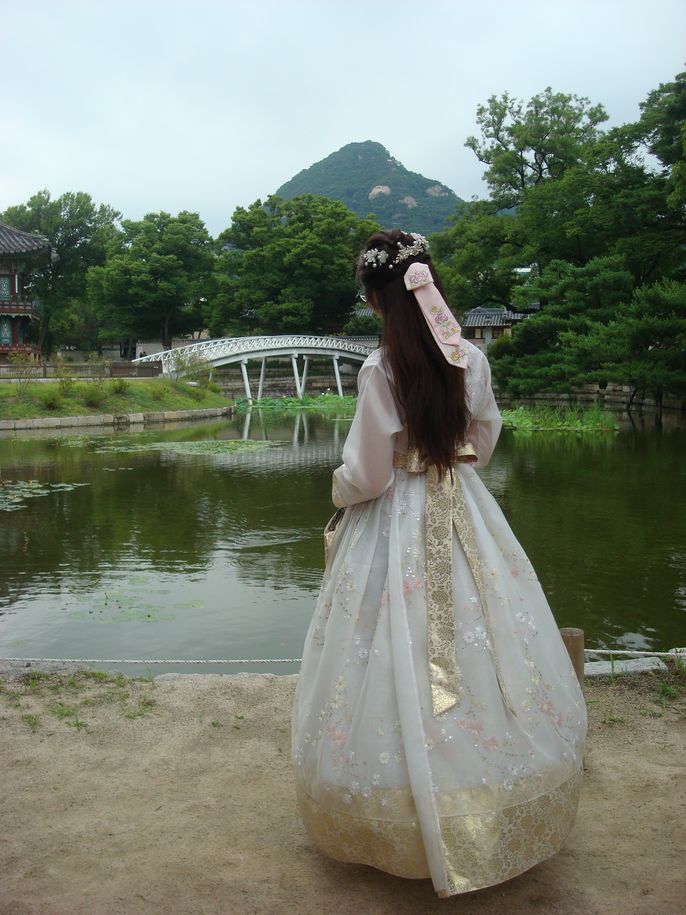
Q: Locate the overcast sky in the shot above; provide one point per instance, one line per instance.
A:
(206, 105)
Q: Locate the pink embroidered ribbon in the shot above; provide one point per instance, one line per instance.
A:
(442, 323)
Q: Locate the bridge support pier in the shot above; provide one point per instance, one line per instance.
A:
(260, 388)
(303, 381)
(246, 380)
(296, 376)
(338, 376)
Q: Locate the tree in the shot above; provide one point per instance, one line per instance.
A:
(524, 146)
(156, 278)
(287, 265)
(478, 254)
(644, 346)
(600, 227)
(574, 300)
(80, 232)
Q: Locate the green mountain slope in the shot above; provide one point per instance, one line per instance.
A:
(366, 178)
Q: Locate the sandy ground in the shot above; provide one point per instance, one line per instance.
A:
(176, 796)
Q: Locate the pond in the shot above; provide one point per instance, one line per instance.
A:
(186, 542)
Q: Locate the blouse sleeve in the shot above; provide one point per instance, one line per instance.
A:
(367, 469)
(486, 423)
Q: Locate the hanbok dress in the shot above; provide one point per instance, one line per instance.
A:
(439, 727)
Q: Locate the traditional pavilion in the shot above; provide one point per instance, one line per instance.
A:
(20, 253)
(482, 325)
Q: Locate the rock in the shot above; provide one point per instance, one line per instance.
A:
(379, 189)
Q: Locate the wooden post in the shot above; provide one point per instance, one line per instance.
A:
(574, 643)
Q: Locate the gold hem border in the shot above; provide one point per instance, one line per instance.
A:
(479, 850)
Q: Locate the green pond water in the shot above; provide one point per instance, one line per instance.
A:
(189, 543)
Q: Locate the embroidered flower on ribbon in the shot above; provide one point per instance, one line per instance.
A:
(418, 278)
(546, 707)
(491, 743)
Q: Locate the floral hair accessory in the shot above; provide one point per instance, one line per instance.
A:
(420, 246)
(375, 257)
(442, 323)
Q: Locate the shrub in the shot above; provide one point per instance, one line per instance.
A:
(65, 377)
(120, 386)
(93, 394)
(196, 393)
(50, 398)
(158, 392)
(23, 369)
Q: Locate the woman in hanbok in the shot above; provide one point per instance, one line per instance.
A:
(438, 726)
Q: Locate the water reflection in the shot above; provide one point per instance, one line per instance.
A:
(172, 553)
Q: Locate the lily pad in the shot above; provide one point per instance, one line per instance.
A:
(14, 494)
(206, 446)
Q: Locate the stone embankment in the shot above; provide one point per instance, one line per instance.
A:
(123, 420)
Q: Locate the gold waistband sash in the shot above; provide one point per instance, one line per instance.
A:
(445, 510)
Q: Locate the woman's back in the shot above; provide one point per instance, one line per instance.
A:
(438, 726)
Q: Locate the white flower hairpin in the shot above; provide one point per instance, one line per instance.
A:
(420, 246)
(375, 257)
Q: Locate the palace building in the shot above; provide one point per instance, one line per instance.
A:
(20, 254)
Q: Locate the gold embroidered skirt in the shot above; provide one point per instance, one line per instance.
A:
(438, 727)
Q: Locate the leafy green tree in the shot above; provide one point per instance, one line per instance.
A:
(287, 265)
(156, 278)
(574, 300)
(601, 228)
(80, 232)
(523, 146)
(607, 205)
(363, 326)
(644, 345)
(478, 254)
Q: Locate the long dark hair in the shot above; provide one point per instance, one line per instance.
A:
(430, 391)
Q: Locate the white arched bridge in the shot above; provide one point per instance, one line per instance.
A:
(228, 350)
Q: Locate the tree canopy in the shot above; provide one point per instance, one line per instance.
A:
(598, 220)
(156, 278)
(80, 232)
(287, 266)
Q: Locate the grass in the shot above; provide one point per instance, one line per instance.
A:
(97, 397)
(559, 419)
(55, 694)
(324, 403)
(522, 419)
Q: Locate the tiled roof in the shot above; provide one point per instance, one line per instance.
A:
(491, 317)
(14, 241)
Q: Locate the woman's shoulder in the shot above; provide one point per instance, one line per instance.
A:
(475, 355)
(375, 359)
(477, 363)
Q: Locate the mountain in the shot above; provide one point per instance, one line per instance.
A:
(366, 178)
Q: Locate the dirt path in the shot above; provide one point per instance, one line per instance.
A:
(176, 797)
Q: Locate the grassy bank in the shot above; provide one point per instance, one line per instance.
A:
(559, 419)
(115, 396)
